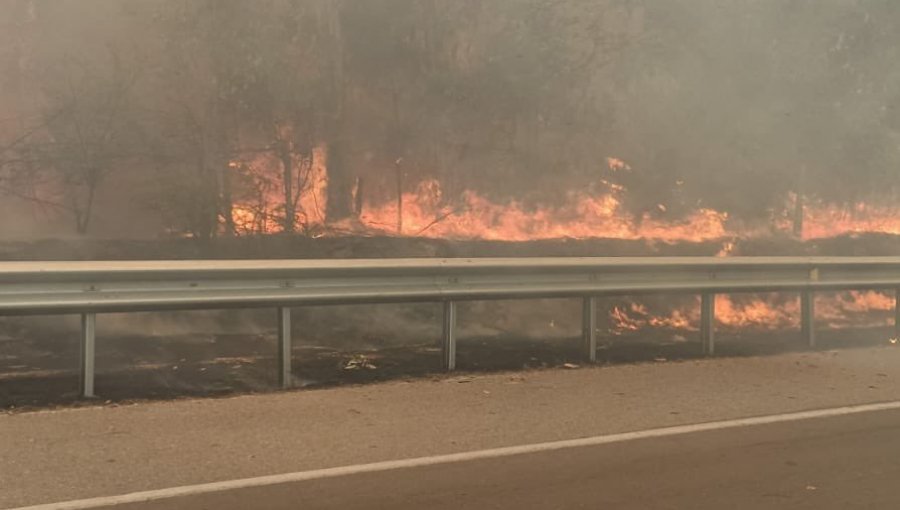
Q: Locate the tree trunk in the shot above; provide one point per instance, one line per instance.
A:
(227, 202)
(358, 197)
(798, 216)
(340, 177)
(287, 178)
(398, 166)
(83, 214)
(208, 202)
(798, 203)
(340, 184)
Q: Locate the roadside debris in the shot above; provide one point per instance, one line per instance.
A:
(359, 362)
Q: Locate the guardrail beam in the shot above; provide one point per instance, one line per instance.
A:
(285, 348)
(87, 354)
(589, 327)
(88, 288)
(708, 323)
(32, 288)
(449, 338)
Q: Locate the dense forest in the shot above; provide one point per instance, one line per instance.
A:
(208, 118)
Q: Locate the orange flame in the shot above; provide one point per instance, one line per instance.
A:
(822, 220)
(763, 312)
(257, 181)
(428, 213)
(582, 216)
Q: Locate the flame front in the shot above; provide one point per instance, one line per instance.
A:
(827, 220)
(583, 216)
(258, 207)
(426, 212)
(762, 312)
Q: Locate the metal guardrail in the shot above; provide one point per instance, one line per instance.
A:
(89, 288)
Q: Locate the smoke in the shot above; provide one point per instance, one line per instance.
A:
(715, 106)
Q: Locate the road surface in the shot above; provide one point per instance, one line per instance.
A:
(65, 455)
(824, 464)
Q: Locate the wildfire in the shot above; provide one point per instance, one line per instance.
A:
(768, 311)
(855, 308)
(586, 216)
(258, 206)
(822, 220)
(761, 312)
(582, 216)
(427, 212)
(616, 164)
(635, 316)
(829, 220)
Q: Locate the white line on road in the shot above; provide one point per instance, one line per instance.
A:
(205, 488)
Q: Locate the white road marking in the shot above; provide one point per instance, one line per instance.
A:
(316, 474)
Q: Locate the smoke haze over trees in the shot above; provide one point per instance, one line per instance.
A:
(219, 117)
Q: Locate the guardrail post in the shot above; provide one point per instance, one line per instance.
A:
(808, 317)
(285, 346)
(589, 327)
(708, 323)
(897, 314)
(449, 341)
(87, 354)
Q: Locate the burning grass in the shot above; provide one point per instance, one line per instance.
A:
(757, 312)
(598, 212)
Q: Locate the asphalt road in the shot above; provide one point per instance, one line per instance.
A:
(831, 463)
(63, 455)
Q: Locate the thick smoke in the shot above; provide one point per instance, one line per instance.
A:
(733, 106)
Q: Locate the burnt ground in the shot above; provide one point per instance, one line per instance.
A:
(38, 365)
(153, 368)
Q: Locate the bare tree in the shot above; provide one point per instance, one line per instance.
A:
(85, 133)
